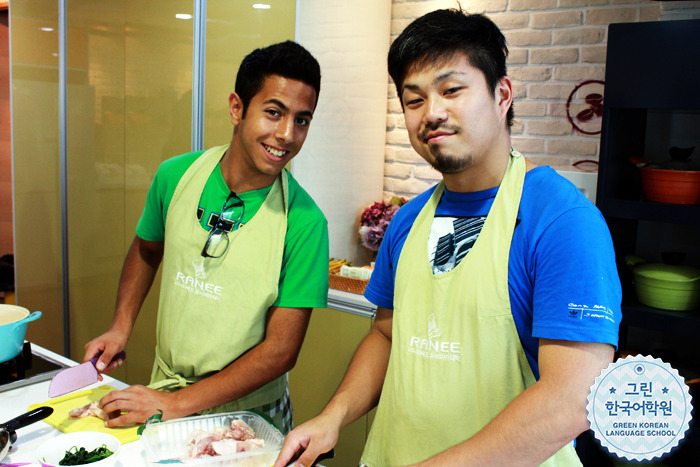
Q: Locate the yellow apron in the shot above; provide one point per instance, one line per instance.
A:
(456, 358)
(212, 310)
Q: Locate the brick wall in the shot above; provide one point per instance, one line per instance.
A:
(555, 46)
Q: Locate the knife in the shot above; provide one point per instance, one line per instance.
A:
(326, 455)
(78, 376)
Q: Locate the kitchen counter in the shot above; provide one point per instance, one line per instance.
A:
(15, 402)
(350, 302)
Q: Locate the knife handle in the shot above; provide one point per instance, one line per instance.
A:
(120, 355)
(28, 418)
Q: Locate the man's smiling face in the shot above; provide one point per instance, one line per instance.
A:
(275, 125)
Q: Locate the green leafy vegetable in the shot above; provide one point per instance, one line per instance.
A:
(80, 456)
(150, 420)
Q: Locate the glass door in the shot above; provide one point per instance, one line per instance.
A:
(128, 104)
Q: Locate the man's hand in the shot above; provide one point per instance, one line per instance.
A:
(313, 438)
(139, 403)
(108, 344)
(358, 394)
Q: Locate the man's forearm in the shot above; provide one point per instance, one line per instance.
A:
(542, 419)
(139, 271)
(531, 429)
(140, 267)
(270, 359)
(357, 394)
(251, 371)
(362, 385)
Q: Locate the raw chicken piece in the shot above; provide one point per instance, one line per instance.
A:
(232, 446)
(225, 446)
(240, 430)
(92, 409)
(200, 443)
(238, 438)
(251, 444)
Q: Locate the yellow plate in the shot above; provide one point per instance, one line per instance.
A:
(64, 404)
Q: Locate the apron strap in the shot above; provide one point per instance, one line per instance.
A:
(172, 380)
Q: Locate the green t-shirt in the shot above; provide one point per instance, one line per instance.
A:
(303, 280)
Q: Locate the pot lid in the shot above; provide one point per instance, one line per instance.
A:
(668, 272)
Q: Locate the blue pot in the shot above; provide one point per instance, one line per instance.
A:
(13, 331)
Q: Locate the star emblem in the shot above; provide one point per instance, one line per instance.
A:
(612, 390)
(665, 390)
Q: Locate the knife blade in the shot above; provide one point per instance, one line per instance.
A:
(77, 377)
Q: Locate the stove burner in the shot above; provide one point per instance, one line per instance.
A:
(16, 368)
(27, 368)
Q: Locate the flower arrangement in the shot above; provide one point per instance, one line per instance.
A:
(375, 219)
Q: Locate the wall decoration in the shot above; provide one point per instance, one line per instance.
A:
(584, 107)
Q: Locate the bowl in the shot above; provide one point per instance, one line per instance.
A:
(668, 287)
(52, 451)
(671, 186)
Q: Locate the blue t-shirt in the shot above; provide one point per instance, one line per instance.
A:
(562, 276)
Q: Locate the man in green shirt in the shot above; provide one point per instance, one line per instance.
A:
(244, 251)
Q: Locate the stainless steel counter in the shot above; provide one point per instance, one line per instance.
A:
(350, 302)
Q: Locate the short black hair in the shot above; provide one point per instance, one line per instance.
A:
(287, 59)
(441, 34)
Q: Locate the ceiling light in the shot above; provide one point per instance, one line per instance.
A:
(261, 6)
(47, 29)
(183, 16)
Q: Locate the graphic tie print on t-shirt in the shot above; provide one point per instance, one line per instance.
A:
(450, 240)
